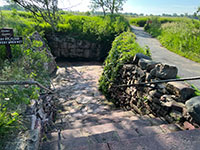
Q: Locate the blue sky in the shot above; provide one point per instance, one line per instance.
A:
(162, 6)
(140, 6)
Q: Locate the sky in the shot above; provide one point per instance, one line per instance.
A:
(155, 7)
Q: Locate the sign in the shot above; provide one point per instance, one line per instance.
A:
(7, 38)
(11, 40)
(6, 32)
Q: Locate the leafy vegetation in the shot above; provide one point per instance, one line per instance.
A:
(98, 29)
(27, 64)
(180, 36)
(101, 30)
(123, 50)
(141, 21)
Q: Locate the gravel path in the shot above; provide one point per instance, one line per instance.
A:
(186, 68)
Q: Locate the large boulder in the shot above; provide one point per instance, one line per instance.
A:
(193, 108)
(164, 71)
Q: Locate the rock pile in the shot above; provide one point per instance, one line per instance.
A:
(170, 100)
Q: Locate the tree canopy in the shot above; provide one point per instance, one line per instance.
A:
(47, 9)
(111, 6)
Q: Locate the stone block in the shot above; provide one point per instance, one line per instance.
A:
(164, 71)
(181, 90)
(147, 64)
(193, 108)
(155, 93)
(138, 56)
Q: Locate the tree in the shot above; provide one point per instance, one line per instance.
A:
(96, 4)
(114, 5)
(47, 9)
(108, 5)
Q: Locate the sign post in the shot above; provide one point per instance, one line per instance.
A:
(7, 38)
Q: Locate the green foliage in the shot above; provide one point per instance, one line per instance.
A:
(123, 50)
(197, 91)
(91, 28)
(22, 24)
(154, 27)
(101, 30)
(181, 37)
(139, 21)
(27, 64)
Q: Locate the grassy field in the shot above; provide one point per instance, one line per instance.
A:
(180, 35)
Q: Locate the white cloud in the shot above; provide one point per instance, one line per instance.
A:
(2, 3)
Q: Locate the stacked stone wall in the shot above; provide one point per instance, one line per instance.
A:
(175, 101)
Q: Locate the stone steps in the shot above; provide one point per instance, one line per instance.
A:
(103, 134)
(181, 140)
(124, 117)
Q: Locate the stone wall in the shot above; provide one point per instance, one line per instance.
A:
(172, 100)
(51, 65)
(71, 48)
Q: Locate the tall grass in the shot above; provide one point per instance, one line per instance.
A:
(141, 21)
(180, 36)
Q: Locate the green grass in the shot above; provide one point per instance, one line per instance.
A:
(96, 29)
(141, 21)
(181, 36)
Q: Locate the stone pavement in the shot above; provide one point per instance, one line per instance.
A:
(186, 67)
(89, 122)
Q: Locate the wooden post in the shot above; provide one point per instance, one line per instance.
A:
(8, 51)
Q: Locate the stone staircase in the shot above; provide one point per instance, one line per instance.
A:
(89, 122)
(119, 130)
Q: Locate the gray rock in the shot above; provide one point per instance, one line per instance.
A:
(155, 93)
(68, 47)
(181, 90)
(147, 64)
(148, 77)
(193, 108)
(138, 56)
(164, 71)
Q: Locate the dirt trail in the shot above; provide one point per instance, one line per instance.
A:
(186, 67)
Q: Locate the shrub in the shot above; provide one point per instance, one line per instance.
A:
(140, 21)
(123, 50)
(94, 29)
(153, 27)
(13, 99)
